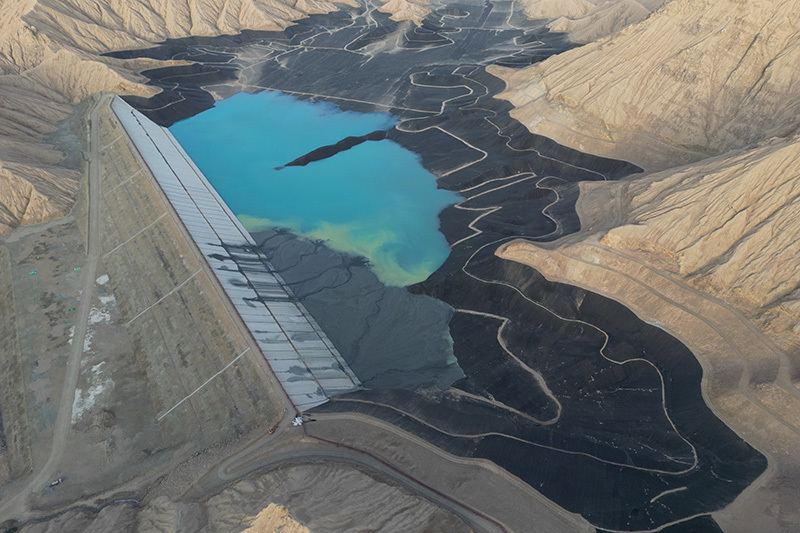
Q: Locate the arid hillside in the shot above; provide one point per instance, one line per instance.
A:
(728, 226)
(712, 82)
(696, 79)
(50, 60)
(588, 20)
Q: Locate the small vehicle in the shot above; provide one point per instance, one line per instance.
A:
(57, 482)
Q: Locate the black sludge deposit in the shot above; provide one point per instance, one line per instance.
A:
(592, 407)
(331, 150)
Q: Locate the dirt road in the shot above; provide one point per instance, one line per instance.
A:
(260, 457)
(17, 504)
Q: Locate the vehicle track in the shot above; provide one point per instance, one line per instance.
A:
(16, 505)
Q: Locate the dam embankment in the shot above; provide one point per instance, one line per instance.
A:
(180, 330)
(306, 363)
(127, 354)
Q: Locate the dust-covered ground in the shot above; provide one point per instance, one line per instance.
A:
(297, 498)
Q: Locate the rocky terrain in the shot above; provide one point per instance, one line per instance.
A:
(696, 79)
(585, 20)
(728, 226)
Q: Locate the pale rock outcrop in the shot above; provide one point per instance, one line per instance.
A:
(414, 10)
(695, 79)
(275, 518)
(548, 9)
(589, 20)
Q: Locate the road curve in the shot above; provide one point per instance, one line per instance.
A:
(264, 455)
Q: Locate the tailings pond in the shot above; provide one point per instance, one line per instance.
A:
(374, 199)
(567, 390)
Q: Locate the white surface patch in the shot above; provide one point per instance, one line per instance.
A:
(85, 400)
(87, 340)
(102, 280)
(97, 316)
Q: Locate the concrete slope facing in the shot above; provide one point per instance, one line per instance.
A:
(308, 366)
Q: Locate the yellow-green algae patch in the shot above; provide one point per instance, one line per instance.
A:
(359, 241)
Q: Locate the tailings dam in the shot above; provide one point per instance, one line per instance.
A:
(307, 365)
(569, 391)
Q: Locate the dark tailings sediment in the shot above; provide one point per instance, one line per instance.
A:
(392, 338)
(325, 152)
(567, 390)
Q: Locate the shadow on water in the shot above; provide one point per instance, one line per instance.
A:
(569, 391)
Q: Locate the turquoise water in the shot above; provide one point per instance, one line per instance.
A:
(375, 200)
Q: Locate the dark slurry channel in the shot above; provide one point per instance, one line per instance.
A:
(569, 391)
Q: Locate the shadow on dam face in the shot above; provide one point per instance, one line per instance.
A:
(567, 390)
